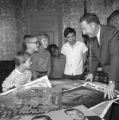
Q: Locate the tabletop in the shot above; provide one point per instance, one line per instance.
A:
(63, 94)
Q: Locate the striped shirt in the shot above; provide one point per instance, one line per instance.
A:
(16, 79)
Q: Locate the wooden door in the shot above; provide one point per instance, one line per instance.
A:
(49, 22)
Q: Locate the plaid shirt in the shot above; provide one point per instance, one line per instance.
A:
(16, 79)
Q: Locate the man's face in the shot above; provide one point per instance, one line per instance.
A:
(44, 42)
(76, 115)
(71, 37)
(88, 28)
(33, 44)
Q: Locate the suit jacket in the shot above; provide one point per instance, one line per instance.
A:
(108, 53)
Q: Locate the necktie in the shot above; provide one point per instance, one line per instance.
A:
(97, 43)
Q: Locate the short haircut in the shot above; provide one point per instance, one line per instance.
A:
(21, 57)
(41, 116)
(69, 30)
(52, 46)
(90, 17)
(43, 35)
(26, 39)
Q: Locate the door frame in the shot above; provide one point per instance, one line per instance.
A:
(58, 13)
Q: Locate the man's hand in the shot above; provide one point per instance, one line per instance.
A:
(109, 92)
(89, 77)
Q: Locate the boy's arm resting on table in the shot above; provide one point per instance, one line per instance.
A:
(22, 79)
(6, 85)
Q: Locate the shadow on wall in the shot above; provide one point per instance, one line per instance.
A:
(5, 69)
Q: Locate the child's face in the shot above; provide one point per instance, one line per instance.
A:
(55, 52)
(33, 44)
(44, 42)
(71, 37)
(28, 63)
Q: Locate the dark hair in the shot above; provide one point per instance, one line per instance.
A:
(25, 40)
(52, 46)
(41, 116)
(69, 30)
(28, 37)
(21, 57)
(90, 17)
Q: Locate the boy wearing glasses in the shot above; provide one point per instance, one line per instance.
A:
(30, 44)
(21, 74)
(41, 64)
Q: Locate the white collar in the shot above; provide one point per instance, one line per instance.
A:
(74, 44)
(16, 70)
(98, 34)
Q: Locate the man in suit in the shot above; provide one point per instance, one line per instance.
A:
(104, 42)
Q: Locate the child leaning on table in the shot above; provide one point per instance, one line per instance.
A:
(21, 74)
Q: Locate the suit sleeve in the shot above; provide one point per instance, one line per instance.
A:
(114, 53)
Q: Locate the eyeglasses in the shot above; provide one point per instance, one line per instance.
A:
(34, 42)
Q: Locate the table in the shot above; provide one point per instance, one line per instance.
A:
(73, 95)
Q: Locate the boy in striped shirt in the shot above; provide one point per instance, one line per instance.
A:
(21, 74)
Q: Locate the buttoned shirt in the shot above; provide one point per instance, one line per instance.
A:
(16, 79)
(74, 58)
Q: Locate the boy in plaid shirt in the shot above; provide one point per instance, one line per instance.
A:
(21, 74)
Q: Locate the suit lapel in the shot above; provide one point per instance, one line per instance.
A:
(98, 49)
(100, 52)
(101, 37)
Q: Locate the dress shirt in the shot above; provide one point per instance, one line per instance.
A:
(74, 58)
